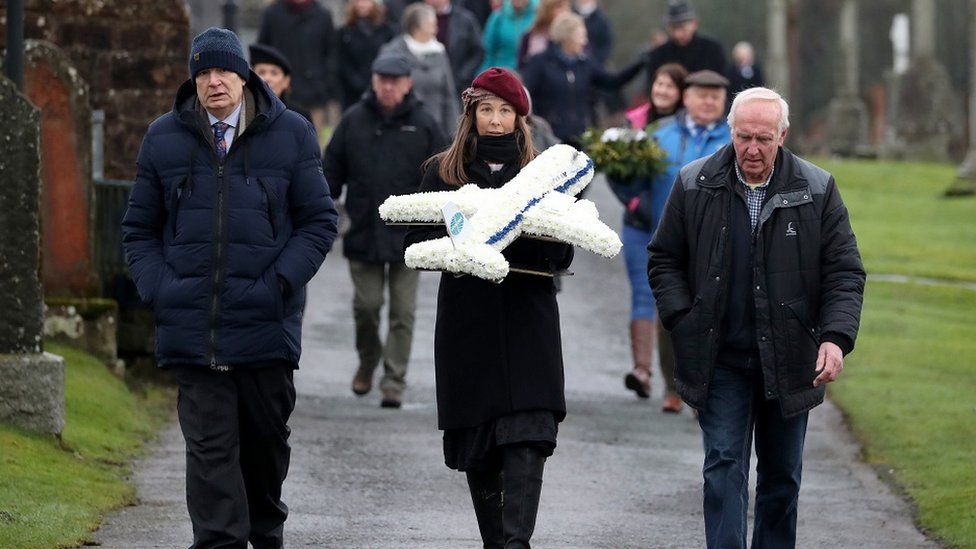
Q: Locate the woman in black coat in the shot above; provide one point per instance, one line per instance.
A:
(563, 80)
(365, 31)
(497, 347)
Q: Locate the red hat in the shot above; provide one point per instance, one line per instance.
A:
(506, 85)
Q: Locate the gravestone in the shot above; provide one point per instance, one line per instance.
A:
(847, 118)
(965, 183)
(53, 85)
(31, 381)
(925, 116)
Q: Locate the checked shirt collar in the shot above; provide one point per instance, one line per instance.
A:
(755, 194)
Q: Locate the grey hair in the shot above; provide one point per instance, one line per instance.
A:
(415, 15)
(761, 94)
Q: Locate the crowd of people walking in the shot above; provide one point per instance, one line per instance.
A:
(743, 268)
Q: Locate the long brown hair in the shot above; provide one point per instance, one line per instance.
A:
(376, 17)
(463, 148)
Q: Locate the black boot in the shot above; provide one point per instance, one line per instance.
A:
(522, 482)
(486, 494)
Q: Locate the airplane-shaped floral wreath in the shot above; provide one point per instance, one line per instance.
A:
(539, 201)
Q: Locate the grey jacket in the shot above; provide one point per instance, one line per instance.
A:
(433, 84)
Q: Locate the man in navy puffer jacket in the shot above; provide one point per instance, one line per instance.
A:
(229, 219)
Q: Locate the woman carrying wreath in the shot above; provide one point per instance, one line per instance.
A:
(497, 348)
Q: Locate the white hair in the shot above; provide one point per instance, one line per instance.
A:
(761, 94)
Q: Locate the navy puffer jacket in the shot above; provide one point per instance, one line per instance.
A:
(222, 251)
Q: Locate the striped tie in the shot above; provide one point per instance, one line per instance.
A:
(219, 129)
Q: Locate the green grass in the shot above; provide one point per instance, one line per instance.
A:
(903, 223)
(53, 493)
(909, 389)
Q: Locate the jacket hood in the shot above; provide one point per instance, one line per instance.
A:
(267, 104)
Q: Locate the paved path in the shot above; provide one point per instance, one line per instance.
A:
(624, 475)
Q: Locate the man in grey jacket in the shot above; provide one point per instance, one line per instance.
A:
(757, 275)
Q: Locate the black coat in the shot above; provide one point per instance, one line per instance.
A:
(497, 347)
(562, 89)
(700, 54)
(464, 47)
(743, 78)
(209, 243)
(374, 156)
(808, 279)
(359, 44)
(307, 38)
(600, 35)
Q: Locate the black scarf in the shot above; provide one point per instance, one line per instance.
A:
(498, 149)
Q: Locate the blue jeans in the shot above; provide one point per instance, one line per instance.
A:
(736, 409)
(635, 256)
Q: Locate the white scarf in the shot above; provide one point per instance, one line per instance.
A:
(423, 48)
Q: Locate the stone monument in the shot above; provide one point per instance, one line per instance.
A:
(965, 184)
(31, 381)
(925, 114)
(54, 86)
(847, 119)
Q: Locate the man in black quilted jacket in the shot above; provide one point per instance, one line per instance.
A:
(757, 275)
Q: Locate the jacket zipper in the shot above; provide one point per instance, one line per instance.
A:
(218, 261)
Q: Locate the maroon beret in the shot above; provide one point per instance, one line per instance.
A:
(506, 85)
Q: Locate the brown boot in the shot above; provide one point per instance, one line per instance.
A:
(672, 404)
(362, 382)
(642, 347)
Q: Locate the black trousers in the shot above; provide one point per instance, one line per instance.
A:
(237, 453)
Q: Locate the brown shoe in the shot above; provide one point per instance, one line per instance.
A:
(639, 381)
(672, 404)
(391, 399)
(362, 382)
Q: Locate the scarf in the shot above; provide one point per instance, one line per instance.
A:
(498, 149)
(420, 49)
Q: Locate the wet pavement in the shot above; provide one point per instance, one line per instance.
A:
(623, 476)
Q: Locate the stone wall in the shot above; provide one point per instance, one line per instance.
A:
(132, 53)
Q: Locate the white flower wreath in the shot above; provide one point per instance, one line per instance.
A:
(538, 201)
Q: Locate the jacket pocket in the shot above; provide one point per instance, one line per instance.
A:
(182, 187)
(800, 367)
(271, 201)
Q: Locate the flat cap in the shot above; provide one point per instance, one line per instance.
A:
(263, 53)
(707, 78)
(679, 11)
(392, 64)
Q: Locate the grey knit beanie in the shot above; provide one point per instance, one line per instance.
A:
(218, 48)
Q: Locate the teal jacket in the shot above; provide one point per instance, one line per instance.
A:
(502, 33)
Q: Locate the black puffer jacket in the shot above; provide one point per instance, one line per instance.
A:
(374, 156)
(209, 243)
(807, 280)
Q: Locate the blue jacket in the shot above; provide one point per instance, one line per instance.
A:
(681, 148)
(222, 250)
(503, 31)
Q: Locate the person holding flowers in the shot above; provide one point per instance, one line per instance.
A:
(692, 133)
(497, 347)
